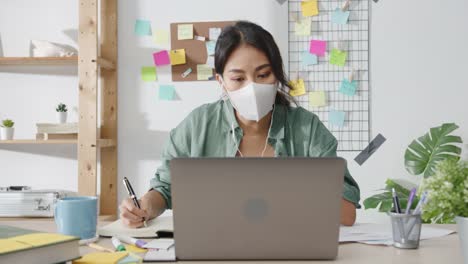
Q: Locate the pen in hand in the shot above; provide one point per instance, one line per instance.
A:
(132, 195)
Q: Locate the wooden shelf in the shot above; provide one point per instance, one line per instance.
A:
(102, 143)
(104, 63)
(39, 60)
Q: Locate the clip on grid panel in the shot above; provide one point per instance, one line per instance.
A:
(353, 38)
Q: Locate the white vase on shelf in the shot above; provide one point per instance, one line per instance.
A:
(62, 117)
(462, 227)
(6, 133)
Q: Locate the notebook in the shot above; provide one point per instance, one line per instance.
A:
(163, 223)
(19, 245)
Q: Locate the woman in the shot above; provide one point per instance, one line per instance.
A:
(253, 119)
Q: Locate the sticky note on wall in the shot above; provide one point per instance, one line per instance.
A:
(210, 47)
(161, 58)
(166, 92)
(303, 27)
(298, 87)
(338, 57)
(309, 8)
(348, 88)
(340, 17)
(318, 47)
(214, 33)
(336, 118)
(204, 72)
(317, 99)
(177, 57)
(142, 27)
(161, 36)
(148, 74)
(308, 59)
(185, 31)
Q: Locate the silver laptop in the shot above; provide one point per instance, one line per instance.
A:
(256, 208)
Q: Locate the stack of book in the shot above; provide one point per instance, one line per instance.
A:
(46, 131)
(19, 245)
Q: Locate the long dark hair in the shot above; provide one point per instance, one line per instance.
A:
(252, 34)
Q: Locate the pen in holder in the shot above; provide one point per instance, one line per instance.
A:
(406, 229)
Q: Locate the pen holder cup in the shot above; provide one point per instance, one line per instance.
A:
(406, 229)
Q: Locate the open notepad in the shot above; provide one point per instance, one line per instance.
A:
(161, 223)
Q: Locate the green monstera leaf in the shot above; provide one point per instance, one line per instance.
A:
(423, 154)
(384, 202)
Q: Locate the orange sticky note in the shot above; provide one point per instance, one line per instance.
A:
(309, 8)
(298, 87)
(177, 56)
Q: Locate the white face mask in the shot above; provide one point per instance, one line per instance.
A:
(254, 100)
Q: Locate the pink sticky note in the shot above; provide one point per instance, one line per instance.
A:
(318, 47)
(161, 58)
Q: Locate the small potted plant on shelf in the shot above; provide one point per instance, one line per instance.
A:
(7, 130)
(61, 113)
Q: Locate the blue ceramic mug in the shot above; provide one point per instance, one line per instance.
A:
(77, 216)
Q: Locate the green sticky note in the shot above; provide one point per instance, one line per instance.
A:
(166, 92)
(143, 27)
(338, 57)
(148, 74)
(317, 99)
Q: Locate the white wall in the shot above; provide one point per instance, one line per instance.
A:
(418, 55)
(29, 94)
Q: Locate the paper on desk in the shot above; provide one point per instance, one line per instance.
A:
(162, 222)
(162, 243)
(160, 255)
(379, 234)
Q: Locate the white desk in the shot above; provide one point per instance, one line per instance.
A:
(439, 250)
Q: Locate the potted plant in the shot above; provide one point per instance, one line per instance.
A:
(7, 130)
(447, 191)
(62, 113)
(421, 158)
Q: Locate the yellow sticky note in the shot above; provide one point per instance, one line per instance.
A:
(101, 258)
(303, 27)
(204, 72)
(185, 31)
(309, 8)
(148, 74)
(317, 99)
(161, 36)
(299, 87)
(135, 249)
(177, 56)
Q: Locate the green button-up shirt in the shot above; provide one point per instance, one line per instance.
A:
(206, 132)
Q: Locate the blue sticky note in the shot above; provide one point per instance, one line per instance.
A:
(166, 92)
(308, 58)
(143, 27)
(336, 118)
(348, 88)
(340, 17)
(210, 47)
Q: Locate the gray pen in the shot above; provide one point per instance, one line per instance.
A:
(132, 195)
